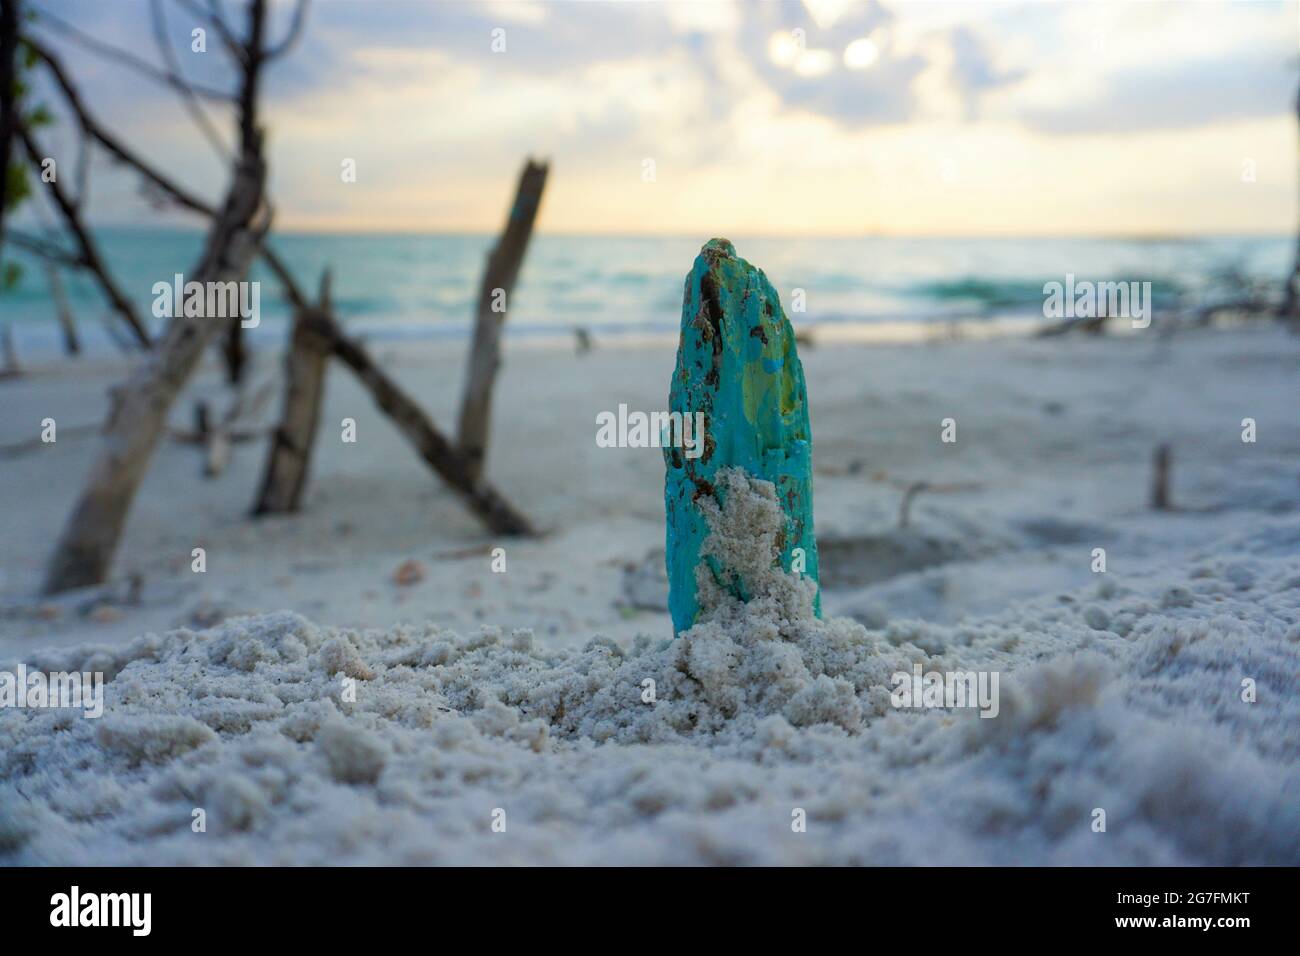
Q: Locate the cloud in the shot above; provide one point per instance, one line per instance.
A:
(752, 125)
(1175, 96)
(973, 69)
(799, 55)
(1112, 68)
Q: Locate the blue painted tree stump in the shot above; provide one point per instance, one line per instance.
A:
(738, 365)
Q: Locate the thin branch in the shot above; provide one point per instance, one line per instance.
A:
(193, 105)
(47, 250)
(114, 146)
(72, 218)
(250, 87)
(9, 17)
(213, 18)
(34, 444)
(123, 154)
(83, 167)
(129, 59)
(295, 31)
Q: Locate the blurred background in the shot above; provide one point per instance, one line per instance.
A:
(907, 161)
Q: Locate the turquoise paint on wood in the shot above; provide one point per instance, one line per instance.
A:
(737, 363)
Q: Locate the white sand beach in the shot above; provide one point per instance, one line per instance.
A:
(521, 691)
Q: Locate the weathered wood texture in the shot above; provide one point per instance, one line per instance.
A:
(139, 409)
(292, 442)
(448, 461)
(498, 285)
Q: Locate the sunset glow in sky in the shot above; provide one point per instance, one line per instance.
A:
(780, 118)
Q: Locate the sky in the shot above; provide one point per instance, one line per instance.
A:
(768, 117)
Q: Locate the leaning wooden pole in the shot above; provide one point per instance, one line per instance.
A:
(447, 460)
(292, 442)
(738, 370)
(498, 285)
(139, 410)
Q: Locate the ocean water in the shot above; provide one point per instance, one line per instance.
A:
(425, 286)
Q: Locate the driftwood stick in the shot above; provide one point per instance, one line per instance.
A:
(10, 367)
(454, 467)
(217, 437)
(71, 342)
(139, 412)
(909, 494)
(499, 277)
(431, 445)
(215, 440)
(17, 449)
(1160, 498)
(292, 442)
(234, 351)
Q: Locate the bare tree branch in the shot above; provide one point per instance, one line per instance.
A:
(193, 105)
(94, 263)
(447, 460)
(115, 147)
(214, 19)
(47, 250)
(125, 155)
(138, 416)
(9, 17)
(83, 168)
(126, 58)
(295, 31)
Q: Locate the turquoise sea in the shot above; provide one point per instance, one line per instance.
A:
(424, 286)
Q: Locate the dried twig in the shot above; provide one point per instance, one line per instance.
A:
(905, 507)
(68, 324)
(45, 249)
(128, 59)
(295, 31)
(92, 261)
(189, 99)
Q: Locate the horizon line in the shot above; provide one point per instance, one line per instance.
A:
(629, 234)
